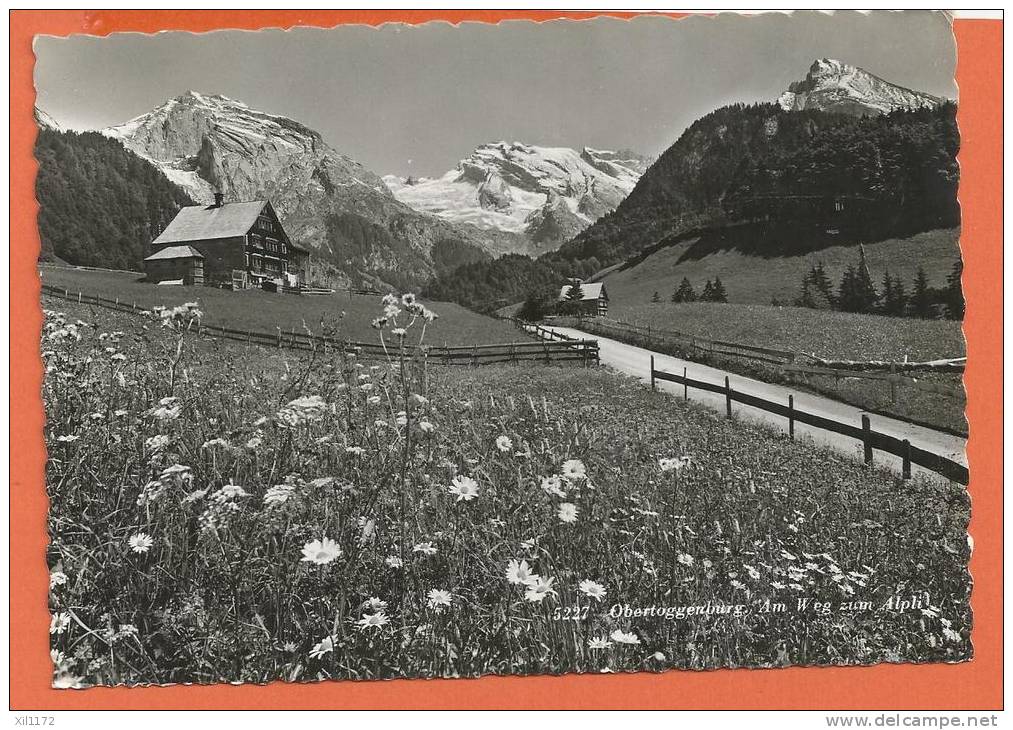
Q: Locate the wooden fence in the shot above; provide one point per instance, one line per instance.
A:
(871, 440)
(787, 362)
(771, 355)
(584, 352)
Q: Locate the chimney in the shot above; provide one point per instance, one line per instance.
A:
(219, 199)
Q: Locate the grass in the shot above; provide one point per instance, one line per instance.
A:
(259, 310)
(751, 279)
(237, 462)
(825, 334)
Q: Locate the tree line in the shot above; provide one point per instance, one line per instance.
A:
(99, 203)
(857, 292)
(685, 293)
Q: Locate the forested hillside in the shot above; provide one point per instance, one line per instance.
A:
(99, 204)
(839, 178)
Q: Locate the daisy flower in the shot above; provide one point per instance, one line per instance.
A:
(141, 542)
(674, 463)
(539, 588)
(426, 548)
(393, 561)
(326, 646)
(520, 573)
(438, 599)
(355, 450)
(685, 559)
(553, 486)
(567, 512)
(57, 578)
(503, 443)
(59, 622)
(623, 637)
(426, 426)
(321, 552)
(574, 470)
(592, 589)
(464, 487)
(374, 604)
(599, 642)
(372, 621)
(68, 681)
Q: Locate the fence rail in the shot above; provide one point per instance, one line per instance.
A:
(772, 355)
(871, 440)
(788, 362)
(566, 350)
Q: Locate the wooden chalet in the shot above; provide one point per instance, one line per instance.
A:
(594, 301)
(226, 244)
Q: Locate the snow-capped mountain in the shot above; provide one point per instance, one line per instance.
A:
(834, 86)
(544, 195)
(43, 120)
(326, 200)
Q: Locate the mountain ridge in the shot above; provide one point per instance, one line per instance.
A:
(543, 195)
(329, 202)
(835, 86)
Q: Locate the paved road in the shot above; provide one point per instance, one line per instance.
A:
(636, 361)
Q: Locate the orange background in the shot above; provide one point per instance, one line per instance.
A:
(973, 685)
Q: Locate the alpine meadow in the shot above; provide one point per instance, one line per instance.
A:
(362, 362)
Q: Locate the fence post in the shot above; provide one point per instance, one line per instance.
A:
(791, 416)
(867, 438)
(685, 385)
(728, 397)
(906, 467)
(652, 372)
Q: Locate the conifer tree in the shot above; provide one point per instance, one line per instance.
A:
(954, 292)
(685, 292)
(718, 293)
(920, 304)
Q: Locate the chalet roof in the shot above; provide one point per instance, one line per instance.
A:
(590, 290)
(175, 252)
(204, 222)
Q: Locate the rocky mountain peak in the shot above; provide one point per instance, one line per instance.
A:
(522, 189)
(208, 142)
(835, 86)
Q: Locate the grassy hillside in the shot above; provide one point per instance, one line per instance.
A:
(750, 277)
(833, 335)
(254, 309)
(185, 534)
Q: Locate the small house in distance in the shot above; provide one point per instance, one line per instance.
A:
(593, 300)
(230, 244)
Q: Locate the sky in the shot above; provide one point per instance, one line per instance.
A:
(416, 99)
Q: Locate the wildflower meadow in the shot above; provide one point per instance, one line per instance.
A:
(226, 512)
